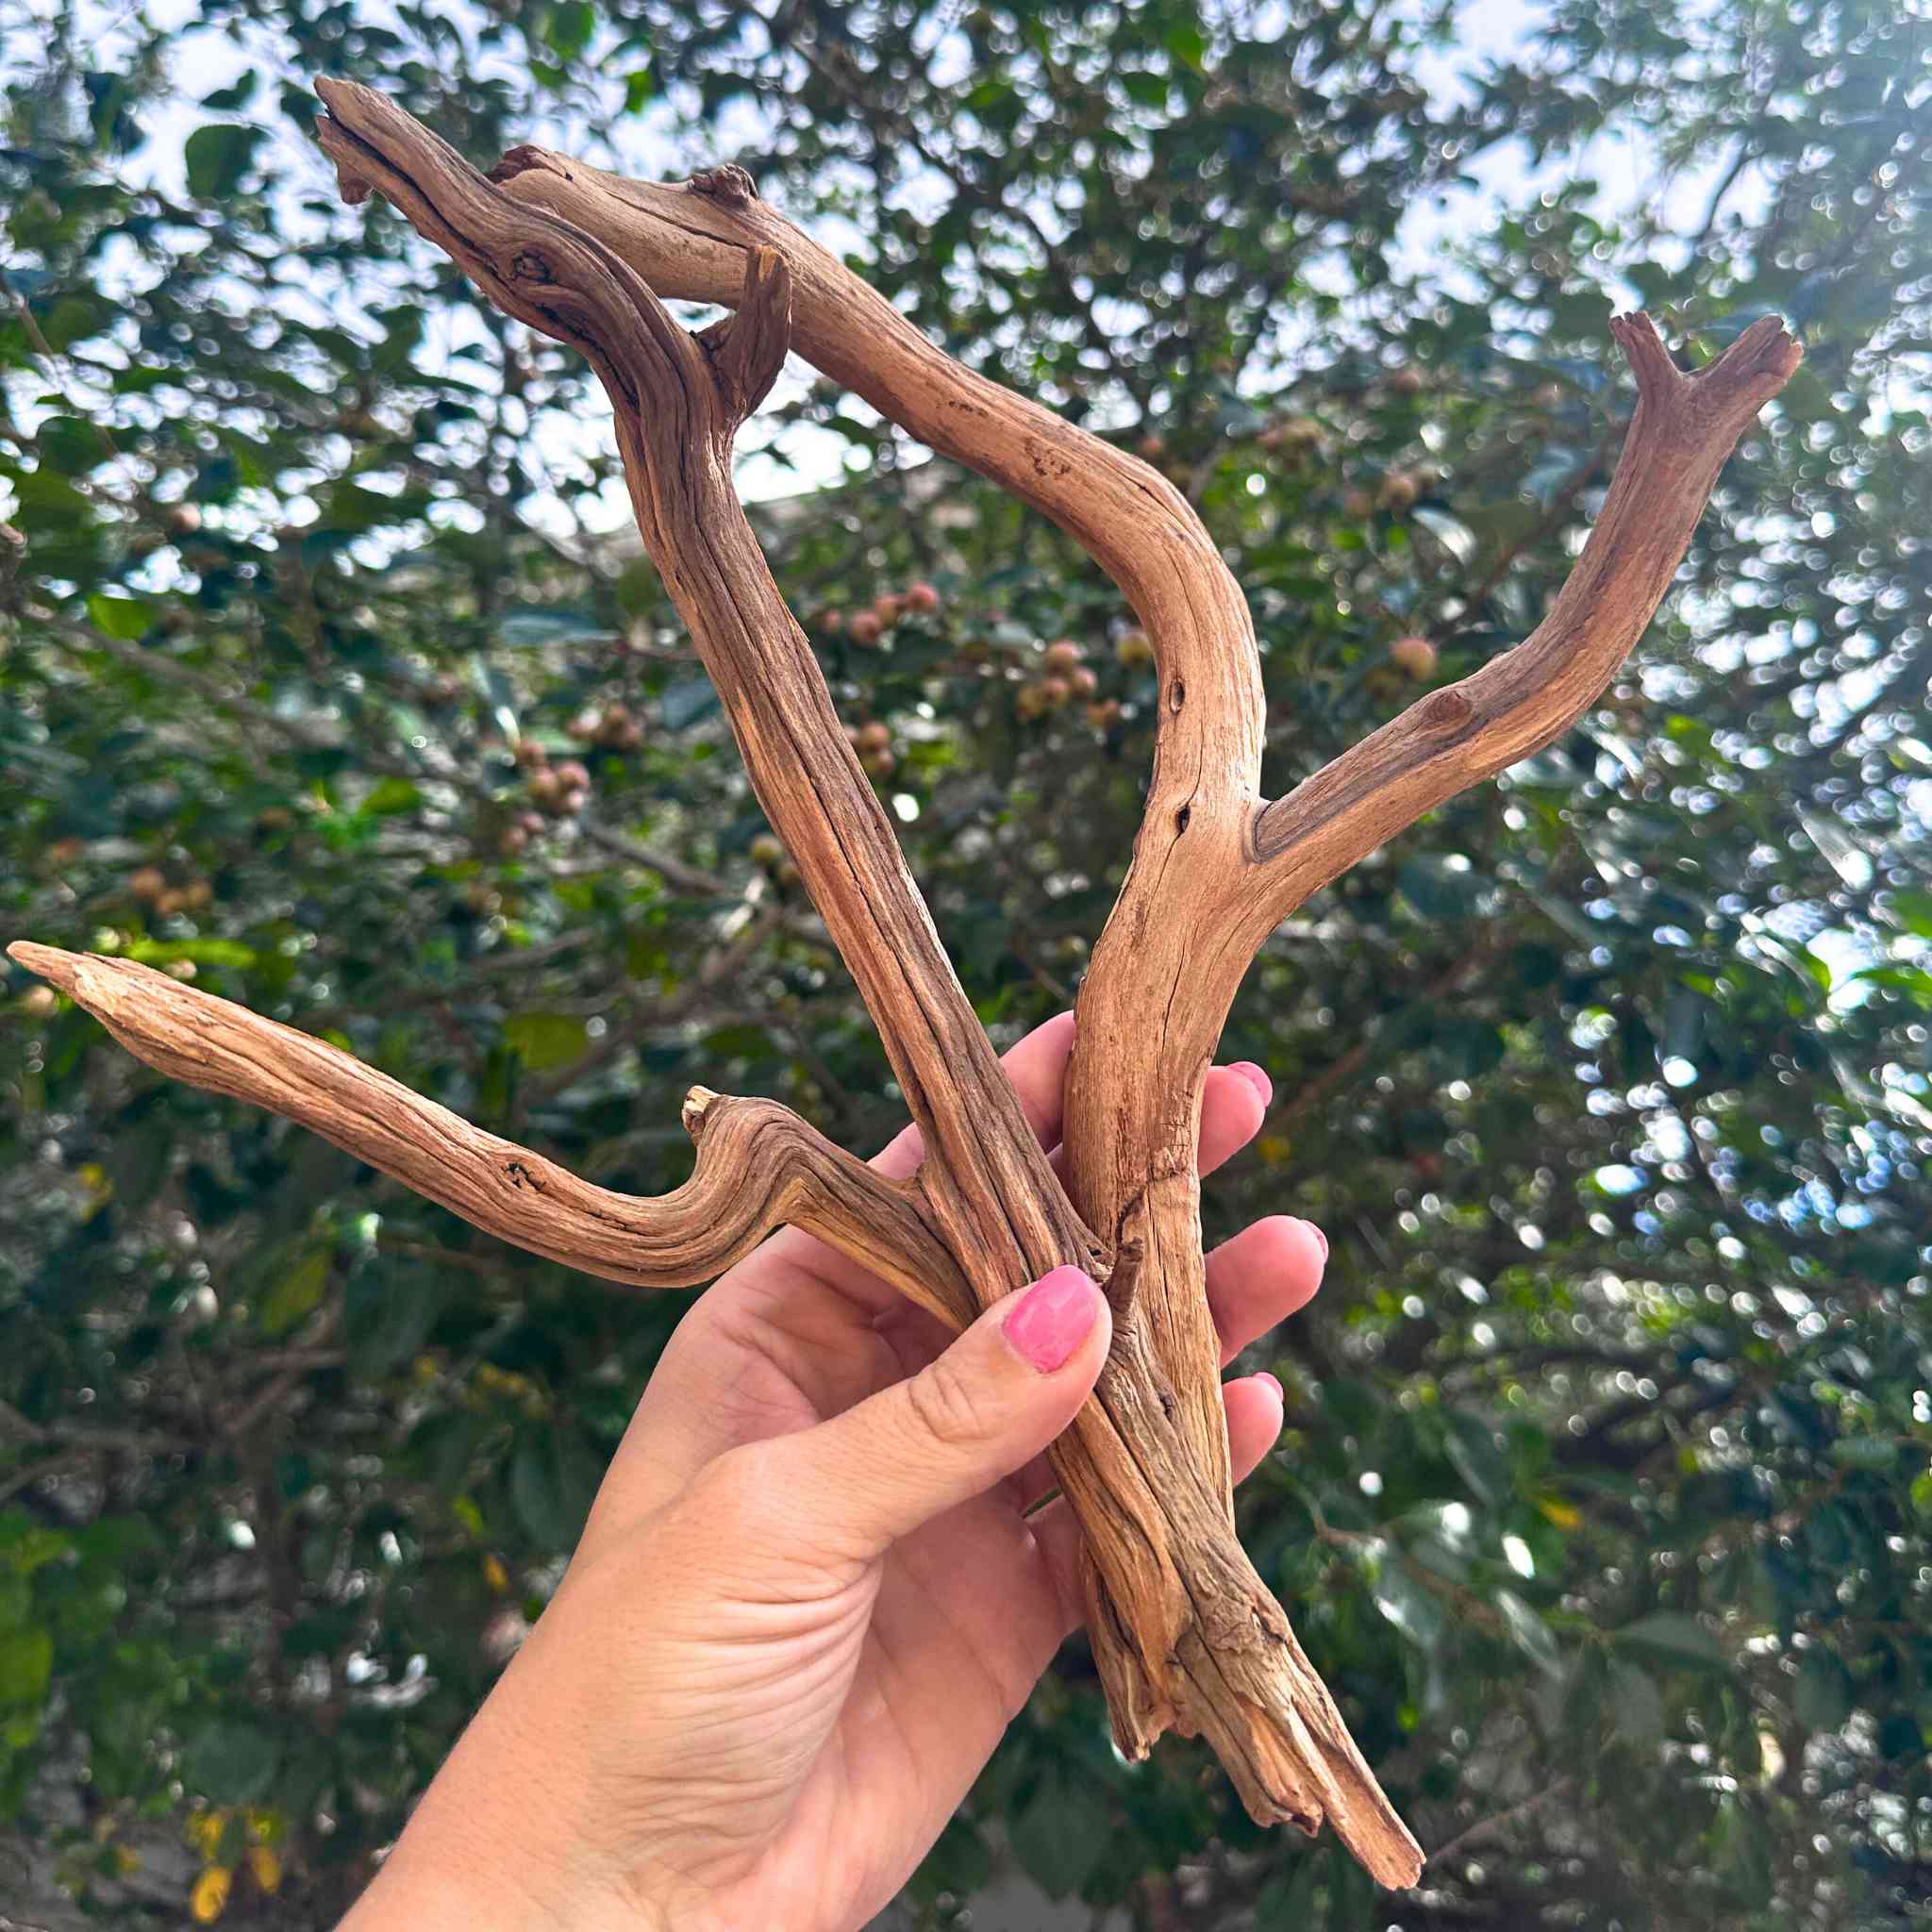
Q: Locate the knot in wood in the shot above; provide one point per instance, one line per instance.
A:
(1446, 711)
(728, 183)
(526, 265)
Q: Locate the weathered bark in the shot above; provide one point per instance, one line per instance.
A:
(1185, 1632)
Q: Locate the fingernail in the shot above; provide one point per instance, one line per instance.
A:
(1049, 1319)
(1320, 1239)
(1274, 1382)
(1256, 1078)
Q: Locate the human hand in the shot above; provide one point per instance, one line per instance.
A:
(809, 1597)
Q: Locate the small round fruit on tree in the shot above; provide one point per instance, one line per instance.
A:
(512, 841)
(874, 736)
(831, 621)
(545, 788)
(1105, 715)
(1358, 504)
(573, 801)
(585, 726)
(1061, 656)
(789, 876)
(532, 821)
(1083, 680)
(40, 1001)
(1029, 702)
(1407, 380)
(147, 882)
(1399, 489)
(888, 608)
(573, 777)
(1151, 448)
(767, 850)
(1414, 656)
(866, 628)
(170, 902)
(922, 598)
(199, 895)
(1054, 691)
(530, 754)
(183, 520)
(617, 730)
(879, 764)
(1134, 647)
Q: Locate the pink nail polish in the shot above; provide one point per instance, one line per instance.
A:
(1274, 1383)
(1049, 1319)
(1320, 1239)
(1256, 1078)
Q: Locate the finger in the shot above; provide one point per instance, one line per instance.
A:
(1261, 1276)
(1233, 1103)
(1037, 1070)
(984, 1408)
(1254, 1423)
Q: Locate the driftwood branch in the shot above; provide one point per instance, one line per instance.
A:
(759, 1167)
(1185, 1633)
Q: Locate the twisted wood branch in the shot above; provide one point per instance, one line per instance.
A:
(759, 1167)
(1185, 1632)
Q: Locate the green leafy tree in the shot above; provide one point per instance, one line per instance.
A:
(1605, 1504)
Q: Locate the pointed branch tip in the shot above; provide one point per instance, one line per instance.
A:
(56, 967)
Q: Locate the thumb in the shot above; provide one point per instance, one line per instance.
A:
(988, 1405)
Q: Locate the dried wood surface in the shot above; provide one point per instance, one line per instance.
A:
(1186, 1634)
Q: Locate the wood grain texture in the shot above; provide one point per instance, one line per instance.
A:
(759, 1167)
(1185, 1633)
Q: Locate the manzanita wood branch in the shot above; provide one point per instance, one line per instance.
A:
(1215, 868)
(1185, 1632)
(759, 1167)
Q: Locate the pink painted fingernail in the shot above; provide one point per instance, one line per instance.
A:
(1320, 1239)
(1274, 1383)
(1049, 1319)
(1256, 1078)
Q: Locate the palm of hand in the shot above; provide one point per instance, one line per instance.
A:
(785, 1724)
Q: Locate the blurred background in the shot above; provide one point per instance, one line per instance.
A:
(331, 678)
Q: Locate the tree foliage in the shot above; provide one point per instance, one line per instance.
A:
(1605, 1501)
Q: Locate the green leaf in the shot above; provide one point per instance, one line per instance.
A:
(1823, 1697)
(216, 159)
(1636, 1705)
(1061, 1836)
(232, 1761)
(1528, 1632)
(26, 1666)
(546, 1041)
(390, 795)
(570, 27)
(1676, 1639)
(533, 1493)
(296, 1293)
(1441, 885)
(125, 618)
(1407, 1605)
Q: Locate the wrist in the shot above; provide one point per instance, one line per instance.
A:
(466, 1872)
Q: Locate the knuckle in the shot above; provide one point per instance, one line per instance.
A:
(946, 1407)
